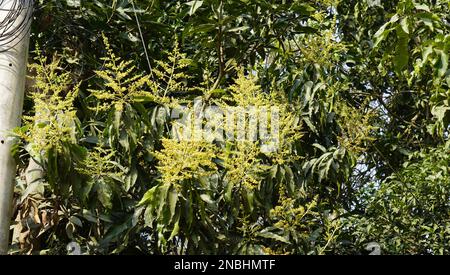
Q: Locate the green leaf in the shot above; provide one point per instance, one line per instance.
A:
(76, 221)
(115, 231)
(306, 29)
(441, 112)
(131, 179)
(250, 200)
(148, 196)
(104, 193)
(70, 228)
(422, 7)
(238, 29)
(123, 13)
(136, 215)
(290, 179)
(270, 235)
(149, 216)
(89, 216)
(206, 198)
(90, 139)
(176, 229)
(189, 211)
(73, 3)
(405, 25)
(384, 31)
(302, 8)
(401, 57)
(116, 121)
(163, 212)
(202, 28)
(428, 19)
(381, 34)
(320, 147)
(426, 53)
(194, 6)
(173, 199)
(442, 65)
(229, 191)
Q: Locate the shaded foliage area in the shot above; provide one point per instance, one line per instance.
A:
(364, 99)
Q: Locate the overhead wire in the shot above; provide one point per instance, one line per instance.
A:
(14, 25)
(142, 38)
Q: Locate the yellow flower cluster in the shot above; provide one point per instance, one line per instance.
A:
(171, 74)
(122, 84)
(99, 163)
(243, 164)
(54, 121)
(184, 160)
(322, 49)
(288, 215)
(356, 128)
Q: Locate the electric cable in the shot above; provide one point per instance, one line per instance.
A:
(15, 25)
(142, 38)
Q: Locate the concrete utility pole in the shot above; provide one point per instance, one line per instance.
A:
(15, 20)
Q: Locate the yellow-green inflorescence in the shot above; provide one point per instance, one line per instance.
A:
(240, 159)
(54, 121)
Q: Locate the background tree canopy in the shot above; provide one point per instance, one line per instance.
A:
(364, 91)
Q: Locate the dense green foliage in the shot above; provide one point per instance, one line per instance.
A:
(363, 89)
